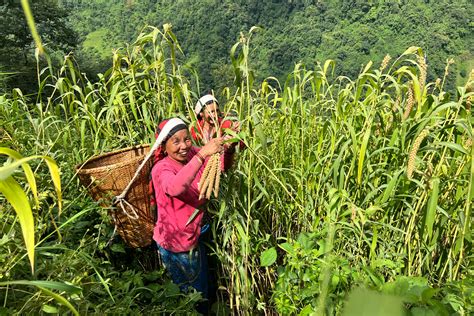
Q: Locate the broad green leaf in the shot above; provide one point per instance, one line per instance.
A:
(18, 199)
(118, 248)
(431, 209)
(48, 309)
(328, 63)
(55, 176)
(268, 257)
(30, 177)
(373, 245)
(53, 285)
(8, 169)
(113, 93)
(306, 311)
(131, 97)
(287, 247)
(453, 146)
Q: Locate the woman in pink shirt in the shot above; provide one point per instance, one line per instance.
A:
(175, 176)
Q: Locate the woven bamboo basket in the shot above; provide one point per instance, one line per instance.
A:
(107, 175)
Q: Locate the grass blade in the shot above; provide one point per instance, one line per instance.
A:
(431, 209)
(18, 199)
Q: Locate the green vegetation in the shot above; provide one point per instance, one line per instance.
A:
(96, 40)
(347, 182)
(18, 68)
(349, 32)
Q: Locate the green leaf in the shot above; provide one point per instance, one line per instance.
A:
(60, 286)
(268, 257)
(8, 169)
(390, 187)
(117, 248)
(453, 146)
(30, 177)
(363, 148)
(55, 175)
(60, 300)
(19, 201)
(193, 216)
(287, 247)
(101, 279)
(411, 50)
(306, 311)
(367, 67)
(48, 309)
(431, 209)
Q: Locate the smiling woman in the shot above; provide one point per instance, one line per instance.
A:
(175, 176)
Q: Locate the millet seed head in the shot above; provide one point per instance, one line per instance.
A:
(414, 150)
(409, 104)
(385, 62)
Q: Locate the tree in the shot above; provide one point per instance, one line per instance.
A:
(17, 46)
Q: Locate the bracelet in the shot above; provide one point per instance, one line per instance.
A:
(200, 157)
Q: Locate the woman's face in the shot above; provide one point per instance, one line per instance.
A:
(211, 113)
(178, 146)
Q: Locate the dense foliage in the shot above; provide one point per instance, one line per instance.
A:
(349, 32)
(18, 67)
(346, 182)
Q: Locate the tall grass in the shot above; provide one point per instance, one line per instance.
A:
(401, 179)
(343, 182)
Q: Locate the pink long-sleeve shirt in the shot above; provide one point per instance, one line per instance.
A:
(177, 197)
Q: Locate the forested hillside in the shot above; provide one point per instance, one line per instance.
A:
(350, 32)
(18, 67)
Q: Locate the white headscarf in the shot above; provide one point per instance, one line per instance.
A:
(169, 126)
(203, 101)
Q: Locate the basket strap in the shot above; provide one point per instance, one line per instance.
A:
(119, 198)
(124, 204)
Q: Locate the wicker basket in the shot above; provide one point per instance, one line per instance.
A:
(107, 175)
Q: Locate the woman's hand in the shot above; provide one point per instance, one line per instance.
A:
(229, 146)
(212, 147)
(236, 126)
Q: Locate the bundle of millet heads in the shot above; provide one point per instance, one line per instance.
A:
(210, 177)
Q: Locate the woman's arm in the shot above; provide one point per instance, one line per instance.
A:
(175, 184)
